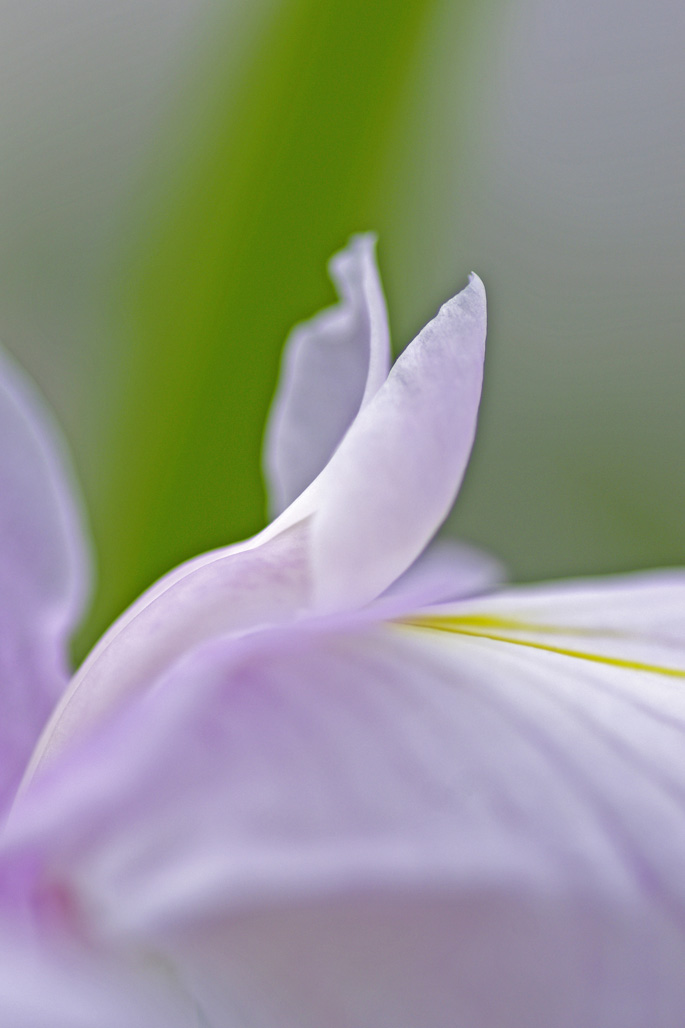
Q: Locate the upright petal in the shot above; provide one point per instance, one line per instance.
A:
(332, 365)
(42, 571)
(389, 825)
(352, 532)
(394, 477)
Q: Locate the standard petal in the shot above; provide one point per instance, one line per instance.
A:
(43, 571)
(394, 477)
(390, 825)
(332, 365)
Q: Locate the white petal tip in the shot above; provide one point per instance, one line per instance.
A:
(470, 302)
(344, 265)
(476, 286)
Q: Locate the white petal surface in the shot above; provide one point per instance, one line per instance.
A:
(394, 477)
(637, 617)
(392, 826)
(353, 531)
(43, 571)
(331, 366)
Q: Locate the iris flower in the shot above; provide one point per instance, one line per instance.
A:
(335, 776)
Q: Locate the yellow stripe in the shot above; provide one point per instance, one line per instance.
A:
(454, 625)
(479, 621)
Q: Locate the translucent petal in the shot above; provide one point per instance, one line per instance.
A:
(43, 571)
(332, 365)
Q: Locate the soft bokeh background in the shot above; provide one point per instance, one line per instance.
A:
(175, 174)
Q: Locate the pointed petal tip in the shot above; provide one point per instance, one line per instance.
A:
(472, 297)
(476, 282)
(463, 320)
(469, 305)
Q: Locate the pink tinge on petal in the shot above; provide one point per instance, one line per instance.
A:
(332, 366)
(43, 571)
(446, 570)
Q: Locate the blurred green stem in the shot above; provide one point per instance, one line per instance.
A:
(291, 161)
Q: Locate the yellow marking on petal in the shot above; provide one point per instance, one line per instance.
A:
(479, 621)
(471, 625)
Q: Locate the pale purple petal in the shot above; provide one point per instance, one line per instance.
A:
(65, 988)
(266, 580)
(395, 475)
(391, 825)
(234, 590)
(353, 531)
(331, 366)
(636, 617)
(446, 570)
(43, 571)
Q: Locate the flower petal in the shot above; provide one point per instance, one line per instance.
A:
(394, 477)
(40, 989)
(446, 570)
(43, 571)
(373, 825)
(373, 508)
(332, 365)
